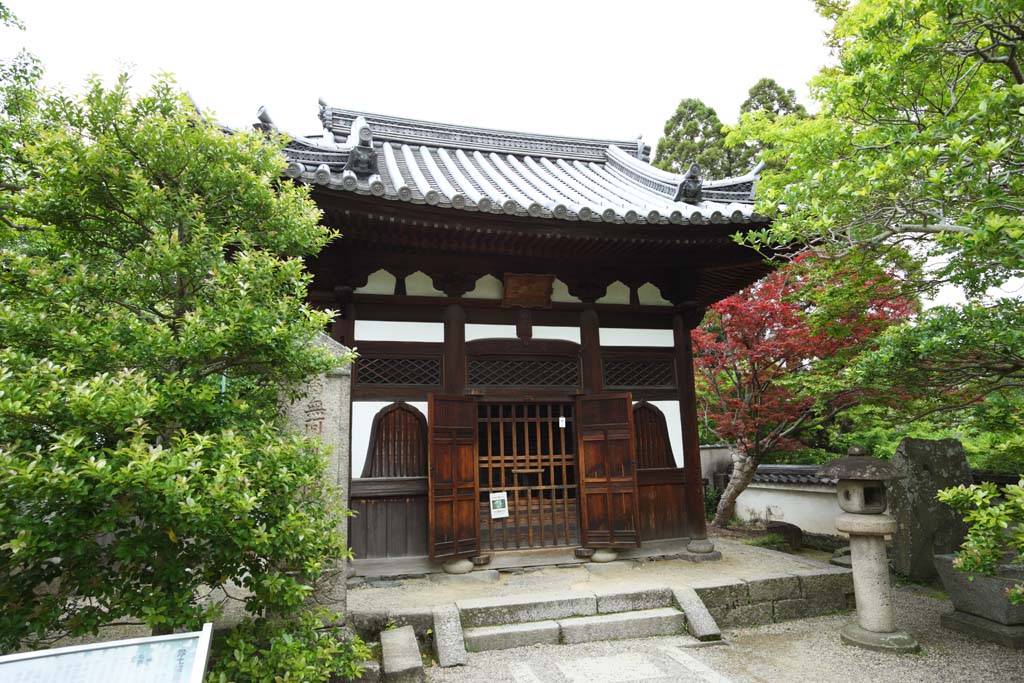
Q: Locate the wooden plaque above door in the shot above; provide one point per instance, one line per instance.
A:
(527, 291)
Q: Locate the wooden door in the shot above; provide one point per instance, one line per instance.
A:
(607, 471)
(454, 520)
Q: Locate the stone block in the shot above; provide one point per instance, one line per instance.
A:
(747, 615)
(793, 534)
(699, 621)
(1001, 634)
(665, 621)
(507, 636)
(371, 673)
(815, 583)
(616, 600)
(925, 527)
(421, 619)
(778, 587)
(401, 656)
(449, 641)
(722, 593)
(797, 608)
(519, 609)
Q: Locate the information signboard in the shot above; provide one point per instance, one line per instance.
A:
(499, 505)
(175, 658)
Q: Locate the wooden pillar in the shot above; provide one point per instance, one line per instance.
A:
(343, 328)
(682, 323)
(590, 344)
(454, 377)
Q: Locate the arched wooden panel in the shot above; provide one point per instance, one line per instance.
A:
(398, 443)
(653, 447)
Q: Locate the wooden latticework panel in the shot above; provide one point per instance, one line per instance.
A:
(492, 372)
(526, 453)
(398, 371)
(630, 373)
(398, 443)
(653, 447)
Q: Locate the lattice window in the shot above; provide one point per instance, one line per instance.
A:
(399, 371)
(620, 372)
(524, 373)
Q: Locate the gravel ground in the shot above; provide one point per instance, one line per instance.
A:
(807, 650)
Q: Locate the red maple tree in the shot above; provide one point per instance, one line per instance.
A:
(770, 359)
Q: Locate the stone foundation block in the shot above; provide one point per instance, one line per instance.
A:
(816, 582)
(1001, 634)
(797, 608)
(781, 587)
(746, 615)
(720, 594)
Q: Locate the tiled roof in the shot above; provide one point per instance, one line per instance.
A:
(791, 474)
(502, 172)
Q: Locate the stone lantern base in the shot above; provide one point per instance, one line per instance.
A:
(897, 641)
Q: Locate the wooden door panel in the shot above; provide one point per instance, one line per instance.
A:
(453, 485)
(607, 467)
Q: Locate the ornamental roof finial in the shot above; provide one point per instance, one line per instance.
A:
(690, 186)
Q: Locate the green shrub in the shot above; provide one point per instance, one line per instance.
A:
(772, 541)
(300, 650)
(711, 497)
(995, 527)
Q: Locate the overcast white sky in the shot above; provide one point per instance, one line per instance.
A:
(591, 69)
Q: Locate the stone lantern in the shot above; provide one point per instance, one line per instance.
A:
(861, 491)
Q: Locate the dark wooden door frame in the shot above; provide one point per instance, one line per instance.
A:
(453, 489)
(598, 523)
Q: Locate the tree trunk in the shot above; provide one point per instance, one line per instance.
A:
(742, 474)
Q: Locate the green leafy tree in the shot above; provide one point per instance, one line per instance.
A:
(695, 134)
(917, 146)
(152, 315)
(769, 100)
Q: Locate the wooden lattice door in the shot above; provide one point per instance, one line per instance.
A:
(528, 451)
(454, 521)
(607, 466)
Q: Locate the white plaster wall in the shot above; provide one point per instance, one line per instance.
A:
(812, 508)
(477, 331)
(385, 330)
(362, 420)
(620, 336)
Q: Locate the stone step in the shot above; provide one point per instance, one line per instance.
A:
(506, 636)
(401, 656)
(514, 609)
(610, 600)
(663, 621)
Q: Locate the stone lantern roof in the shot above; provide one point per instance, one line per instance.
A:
(858, 465)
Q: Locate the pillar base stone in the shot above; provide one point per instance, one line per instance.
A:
(898, 642)
(604, 555)
(459, 566)
(700, 546)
